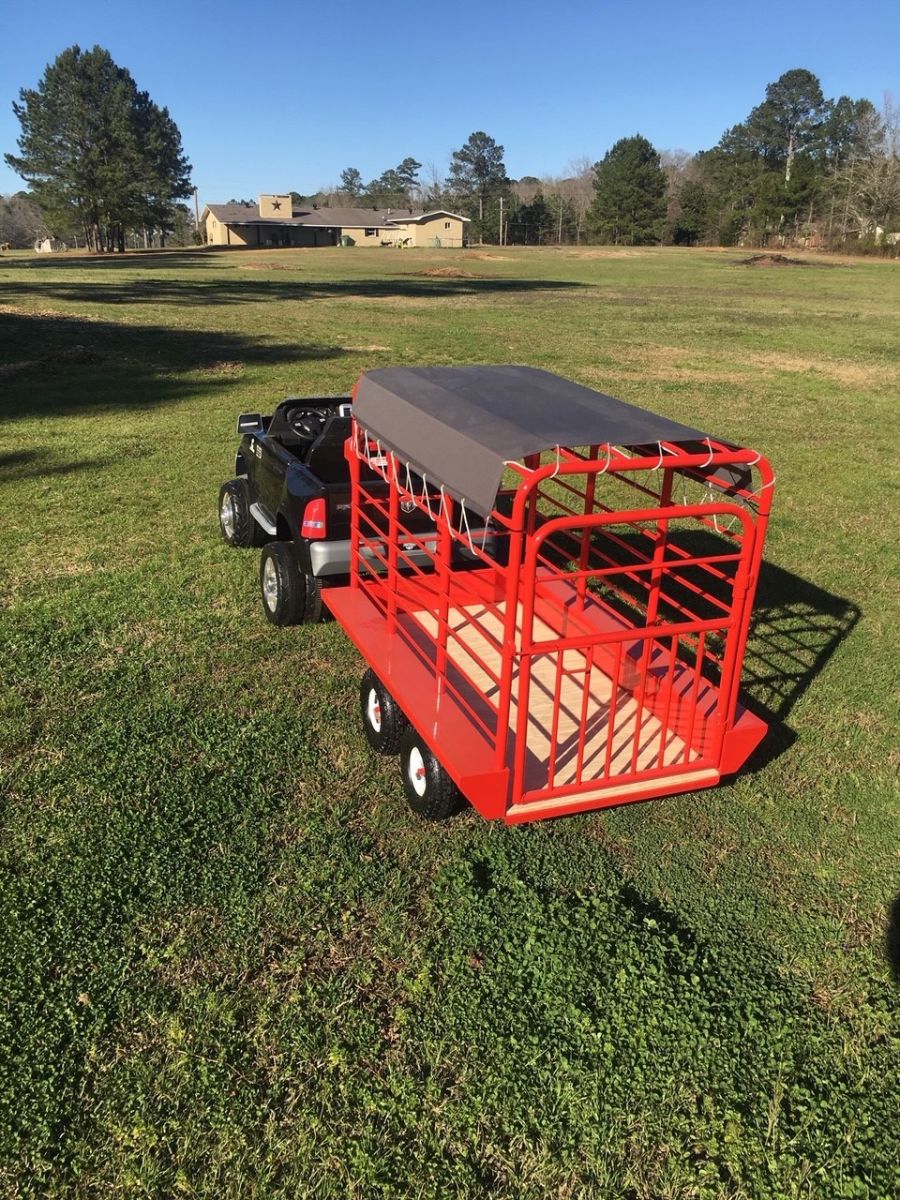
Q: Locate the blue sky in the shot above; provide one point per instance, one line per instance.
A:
(274, 96)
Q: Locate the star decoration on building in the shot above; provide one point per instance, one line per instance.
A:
(276, 204)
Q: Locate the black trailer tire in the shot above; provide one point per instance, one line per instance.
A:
(384, 722)
(430, 792)
(282, 584)
(236, 522)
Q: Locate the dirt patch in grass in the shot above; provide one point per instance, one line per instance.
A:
(222, 368)
(267, 266)
(446, 273)
(612, 252)
(370, 349)
(491, 257)
(850, 374)
(675, 365)
(778, 260)
(37, 313)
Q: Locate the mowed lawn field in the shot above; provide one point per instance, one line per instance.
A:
(233, 964)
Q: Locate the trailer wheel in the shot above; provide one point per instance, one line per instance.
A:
(383, 721)
(236, 524)
(282, 584)
(430, 792)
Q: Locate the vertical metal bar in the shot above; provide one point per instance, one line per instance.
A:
(444, 550)
(584, 558)
(694, 694)
(582, 722)
(613, 705)
(656, 574)
(554, 727)
(393, 544)
(639, 700)
(509, 651)
(352, 456)
(670, 682)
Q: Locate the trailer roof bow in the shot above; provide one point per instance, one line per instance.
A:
(461, 425)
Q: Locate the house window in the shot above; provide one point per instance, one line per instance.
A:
(371, 233)
(446, 224)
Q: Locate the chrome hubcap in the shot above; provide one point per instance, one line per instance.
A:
(226, 515)
(270, 585)
(415, 769)
(373, 710)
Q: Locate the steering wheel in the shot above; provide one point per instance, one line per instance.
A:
(306, 423)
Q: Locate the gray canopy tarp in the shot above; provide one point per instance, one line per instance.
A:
(459, 425)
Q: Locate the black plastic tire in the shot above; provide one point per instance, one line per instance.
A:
(430, 792)
(384, 723)
(282, 585)
(236, 524)
(312, 608)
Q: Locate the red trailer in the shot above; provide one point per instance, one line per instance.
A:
(569, 631)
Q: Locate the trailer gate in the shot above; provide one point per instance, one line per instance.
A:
(582, 645)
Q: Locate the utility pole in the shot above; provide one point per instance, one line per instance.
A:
(501, 220)
(197, 208)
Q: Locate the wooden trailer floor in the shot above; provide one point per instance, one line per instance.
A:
(636, 742)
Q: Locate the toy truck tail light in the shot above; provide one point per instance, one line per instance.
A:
(314, 520)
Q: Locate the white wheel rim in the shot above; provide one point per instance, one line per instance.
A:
(270, 585)
(226, 514)
(373, 710)
(415, 769)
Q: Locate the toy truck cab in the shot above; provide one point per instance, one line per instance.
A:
(291, 498)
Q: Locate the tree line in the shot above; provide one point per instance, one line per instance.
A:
(105, 163)
(800, 169)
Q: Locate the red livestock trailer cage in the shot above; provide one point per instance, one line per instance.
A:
(568, 631)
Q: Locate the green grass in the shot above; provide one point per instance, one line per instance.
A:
(232, 963)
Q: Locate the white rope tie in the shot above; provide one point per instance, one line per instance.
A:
(709, 460)
(465, 520)
(556, 468)
(426, 499)
(608, 459)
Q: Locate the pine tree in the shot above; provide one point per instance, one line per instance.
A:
(477, 175)
(629, 205)
(97, 150)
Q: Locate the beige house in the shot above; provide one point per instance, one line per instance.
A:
(275, 223)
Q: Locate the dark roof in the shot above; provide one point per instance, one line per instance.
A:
(460, 425)
(330, 218)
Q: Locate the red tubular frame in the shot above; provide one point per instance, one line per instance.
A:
(575, 651)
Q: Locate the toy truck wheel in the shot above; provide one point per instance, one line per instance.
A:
(383, 721)
(282, 584)
(312, 608)
(430, 792)
(236, 524)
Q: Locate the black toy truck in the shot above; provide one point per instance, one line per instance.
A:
(291, 496)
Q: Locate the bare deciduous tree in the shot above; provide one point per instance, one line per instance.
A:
(21, 221)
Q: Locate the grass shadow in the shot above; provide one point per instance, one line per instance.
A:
(224, 290)
(796, 630)
(160, 260)
(39, 464)
(57, 365)
(796, 626)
